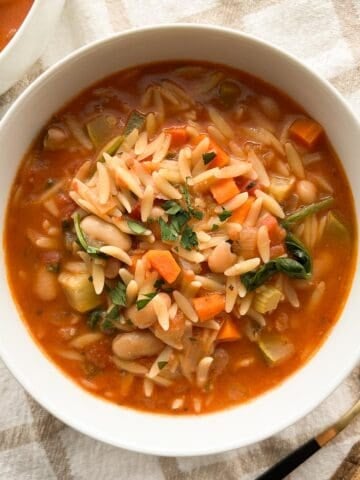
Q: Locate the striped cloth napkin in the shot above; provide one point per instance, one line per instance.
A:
(34, 445)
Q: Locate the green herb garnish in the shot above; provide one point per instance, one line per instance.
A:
(94, 318)
(140, 304)
(171, 207)
(215, 227)
(118, 295)
(162, 365)
(193, 212)
(136, 227)
(53, 267)
(208, 157)
(168, 231)
(189, 239)
(224, 215)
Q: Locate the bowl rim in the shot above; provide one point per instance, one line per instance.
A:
(226, 445)
(23, 26)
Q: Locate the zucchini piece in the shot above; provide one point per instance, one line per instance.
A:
(276, 348)
(111, 147)
(280, 187)
(229, 91)
(101, 128)
(79, 291)
(135, 120)
(335, 229)
(267, 299)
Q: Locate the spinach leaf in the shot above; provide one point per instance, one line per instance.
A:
(299, 266)
(299, 252)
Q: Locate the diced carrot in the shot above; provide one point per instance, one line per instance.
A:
(229, 331)
(306, 131)
(208, 306)
(224, 189)
(165, 264)
(239, 215)
(179, 136)
(276, 232)
(222, 158)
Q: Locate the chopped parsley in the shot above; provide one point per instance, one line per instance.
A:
(162, 365)
(113, 313)
(208, 157)
(53, 267)
(189, 239)
(94, 318)
(118, 295)
(140, 304)
(215, 227)
(159, 283)
(136, 227)
(193, 212)
(224, 215)
(168, 231)
(171, 207)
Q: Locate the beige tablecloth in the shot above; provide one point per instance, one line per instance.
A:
(35, 446)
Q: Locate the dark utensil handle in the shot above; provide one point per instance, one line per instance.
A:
(292, 461)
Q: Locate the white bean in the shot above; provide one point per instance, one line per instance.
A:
(45, 285)
(221, 258)
(134, 345)
(306, 191)
(104, 232)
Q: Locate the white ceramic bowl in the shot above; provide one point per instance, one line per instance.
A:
(162, 434)
(29, 41)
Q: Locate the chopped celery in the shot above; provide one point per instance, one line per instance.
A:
(275, 347)
(280, 187)
(335, 228)
(135, 120)
(111, 147)
(101, 128)
(267, 299)
(79, 291)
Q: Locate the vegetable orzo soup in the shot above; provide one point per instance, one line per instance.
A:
(173, 238)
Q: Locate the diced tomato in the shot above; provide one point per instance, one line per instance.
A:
(66, 205)
(277, 250)
(136, 212)
(51, 256)
(276, 232)
(99, 353)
